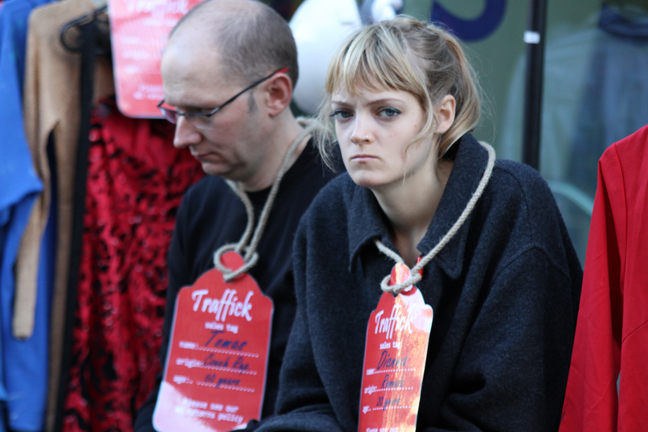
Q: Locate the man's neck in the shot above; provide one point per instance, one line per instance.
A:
(278, 145)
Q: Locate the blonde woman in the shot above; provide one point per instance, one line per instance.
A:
(498, 268)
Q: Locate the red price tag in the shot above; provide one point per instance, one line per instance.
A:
(215, 372)
(139, 31)
(394, 362)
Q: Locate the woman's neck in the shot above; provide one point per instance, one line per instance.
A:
(410, 206)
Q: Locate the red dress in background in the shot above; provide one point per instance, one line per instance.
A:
(136, 180)
(611, 343)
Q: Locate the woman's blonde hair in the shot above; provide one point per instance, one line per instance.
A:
(405, 54)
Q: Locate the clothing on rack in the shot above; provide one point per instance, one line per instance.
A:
(135, 182)
(87, 45)
(611, 334)
(23, 362)
(51, 107)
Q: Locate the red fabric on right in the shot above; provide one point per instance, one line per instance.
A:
(612, 332)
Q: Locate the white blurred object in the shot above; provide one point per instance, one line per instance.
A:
(319, 28)
(385, 9)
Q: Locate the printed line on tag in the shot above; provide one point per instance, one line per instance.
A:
(194, 363)
(375, 372)
(390, 407)
(217, 350)
(370, 390)
(243, 389)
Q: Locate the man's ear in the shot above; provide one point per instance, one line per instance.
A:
(445, 113)
(278, 93)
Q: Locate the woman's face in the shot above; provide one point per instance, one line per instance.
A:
(374, 128)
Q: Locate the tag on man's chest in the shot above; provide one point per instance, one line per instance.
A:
(395, 351)
(216, 366)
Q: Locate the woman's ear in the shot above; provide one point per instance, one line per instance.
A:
(445, 114)
(278, 94)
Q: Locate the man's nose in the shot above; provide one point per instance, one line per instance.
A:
(185, 134)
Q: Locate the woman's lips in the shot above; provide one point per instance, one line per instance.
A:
(362, 157)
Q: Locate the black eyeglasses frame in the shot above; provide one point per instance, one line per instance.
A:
(172, 115)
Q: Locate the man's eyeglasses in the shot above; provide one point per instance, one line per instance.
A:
(201, 119)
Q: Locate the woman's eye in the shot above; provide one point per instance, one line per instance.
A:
(388, 112)
(340, 114)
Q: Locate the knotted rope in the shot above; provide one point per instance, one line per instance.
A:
(415, 277)
(251, 256)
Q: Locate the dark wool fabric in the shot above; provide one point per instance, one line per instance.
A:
(505, 293)
(211, 215)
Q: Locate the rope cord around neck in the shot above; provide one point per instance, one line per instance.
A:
(251, 256)
(415, 277)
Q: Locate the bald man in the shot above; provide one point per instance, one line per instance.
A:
(228, 73)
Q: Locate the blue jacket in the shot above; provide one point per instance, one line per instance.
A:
(23, 363)
(505, 293)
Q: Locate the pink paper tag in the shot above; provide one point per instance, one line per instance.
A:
(394, 362)
(139, 31)
(215, 373)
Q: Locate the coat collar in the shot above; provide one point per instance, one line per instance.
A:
(367, 221)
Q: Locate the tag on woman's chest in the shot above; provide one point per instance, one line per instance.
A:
(216, 366)
(395, 351)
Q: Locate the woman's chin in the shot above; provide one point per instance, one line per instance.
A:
(369, 180)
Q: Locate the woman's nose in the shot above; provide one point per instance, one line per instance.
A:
(360, 133)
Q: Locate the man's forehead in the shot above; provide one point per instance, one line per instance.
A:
(196, 37)
(196, 29)
(194, 78)
(192, 68)
(191, 53)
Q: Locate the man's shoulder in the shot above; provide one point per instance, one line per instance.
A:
(206, 186)
(310, 170)
(204, 196)
(330, 206)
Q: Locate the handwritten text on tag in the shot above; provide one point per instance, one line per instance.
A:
(395, 351)
(214, 378)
